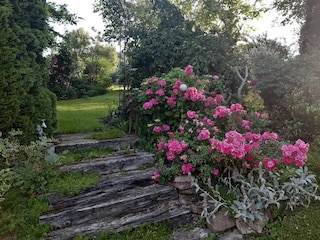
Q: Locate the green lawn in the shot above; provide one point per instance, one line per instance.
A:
(85, 115)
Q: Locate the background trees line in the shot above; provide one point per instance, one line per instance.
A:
(81, 66)
(156, 36)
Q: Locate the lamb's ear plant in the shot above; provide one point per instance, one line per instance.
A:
(260, 191)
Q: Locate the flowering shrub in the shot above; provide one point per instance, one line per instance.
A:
(195, 133)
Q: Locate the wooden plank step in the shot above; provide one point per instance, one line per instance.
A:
(107, 185)
(80, 142)
(172, 213)
(111, 205)
(112, 164)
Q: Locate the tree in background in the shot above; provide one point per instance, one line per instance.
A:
(81, 66)
(25, 99)
(159, 36)
(307, 13)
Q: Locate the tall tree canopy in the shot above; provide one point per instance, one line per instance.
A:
(227, 17)
(306, 12)
(25, 100)
(162, 34)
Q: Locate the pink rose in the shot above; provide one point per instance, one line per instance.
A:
(147, 105)
(156, 176)
(215, 172)
(188, 70)
(157, 129)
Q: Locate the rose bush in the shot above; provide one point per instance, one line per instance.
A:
(234, 158)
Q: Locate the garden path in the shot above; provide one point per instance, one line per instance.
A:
(125, 196)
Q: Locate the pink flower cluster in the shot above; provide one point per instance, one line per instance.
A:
(295, 154)
(163, 128)
(150, 104)
(234, 145)
(188, 70)
(174, 148)
(199, 129)
(194, 95)
(221, 112)
(187, 168)
(270, 164)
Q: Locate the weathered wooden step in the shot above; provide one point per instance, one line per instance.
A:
(107, 186)
(78, 142)
(112, 164)
(112, 206)
(172, 213)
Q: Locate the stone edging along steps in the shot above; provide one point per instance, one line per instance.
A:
(124, 197)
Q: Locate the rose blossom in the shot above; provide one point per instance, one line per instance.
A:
(162, 83)
(165, 128)
(188, 70)
(270, 164)
(156, 176)
(157, 129)
(147, 105)
(204, 134)
(187, 168)
(215, 172)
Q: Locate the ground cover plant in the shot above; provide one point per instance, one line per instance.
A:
(28, 174)
(232, 158)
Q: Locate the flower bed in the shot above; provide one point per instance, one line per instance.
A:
(237, 163)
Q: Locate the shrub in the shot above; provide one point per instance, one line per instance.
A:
(31, 165)
(195, 134)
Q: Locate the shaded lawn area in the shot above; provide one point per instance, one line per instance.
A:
(86, 114)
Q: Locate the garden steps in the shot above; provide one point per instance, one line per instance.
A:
(124, 197)
(81, 141)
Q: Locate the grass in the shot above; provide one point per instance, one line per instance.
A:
(109, 134)
(73, 157)
(85, 114)
(158, 231)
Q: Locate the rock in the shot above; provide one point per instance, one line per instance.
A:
(186, 199)
(221, 222)
(183, 182)
(232, 234)
(251, 227)
(195, 234)
(196, 209)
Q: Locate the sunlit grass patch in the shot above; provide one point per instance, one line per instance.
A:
(85, 115)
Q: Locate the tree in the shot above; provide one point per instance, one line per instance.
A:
(227, 18)
(82, 63)
(9, 85)
(101, 61)
(24, 70)
(307, 13)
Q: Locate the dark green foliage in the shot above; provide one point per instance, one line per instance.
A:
(177, 42)
(159, 231)
(290, 90)
(81, 67)
(9, 86)
(25, 100)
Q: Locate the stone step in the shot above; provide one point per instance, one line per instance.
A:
(125, 196)
(107, 185)
(174, 214)
(111, 206)
(77, 142)
(112, 164)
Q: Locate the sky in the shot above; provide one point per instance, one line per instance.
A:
(266, 25)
